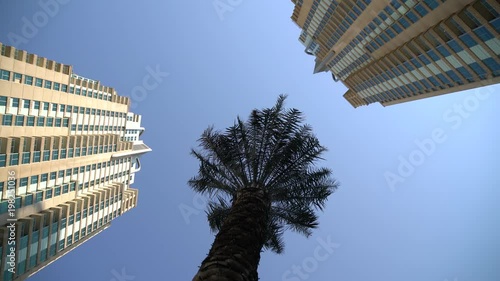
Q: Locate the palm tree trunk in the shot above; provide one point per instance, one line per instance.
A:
(235, 253)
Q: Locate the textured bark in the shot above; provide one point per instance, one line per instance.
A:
(235, 253)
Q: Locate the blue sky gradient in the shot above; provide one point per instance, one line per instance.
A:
(438, 222)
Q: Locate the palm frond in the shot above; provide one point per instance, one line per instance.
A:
(275, 236)
(311, 187)
(211, 177)
(216, 213)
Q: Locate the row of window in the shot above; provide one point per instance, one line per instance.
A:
(47, 84)
(460, 77)
(68, 172)
(419, 11)
(365, 33)
(408, 66)
(73, 75)
(413, 88)
(48, 193)
(325, 13)
(30, 121)
(96, 128)
(389, 14)
(35, 179)
(103, 179)
(76, 236)
(95, 141)
(457, 46)
(15, 103)
(129, 138)
(470, 19)
(364, 59)
(312, 11)
(54, 154)
(431, 83)
(35, 197)
(90, 211)
(347, 21)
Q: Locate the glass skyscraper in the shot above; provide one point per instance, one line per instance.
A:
(69, 151)
(402, 50)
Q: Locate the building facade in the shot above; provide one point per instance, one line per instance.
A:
(69, 150)
(402, 50)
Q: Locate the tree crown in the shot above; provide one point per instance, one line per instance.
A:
(274, 151)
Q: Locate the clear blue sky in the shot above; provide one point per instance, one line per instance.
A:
(439, 221)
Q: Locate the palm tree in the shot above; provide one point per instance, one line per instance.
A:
(261, 180)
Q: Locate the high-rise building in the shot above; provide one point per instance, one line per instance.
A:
(69, 149)
(402, 50)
